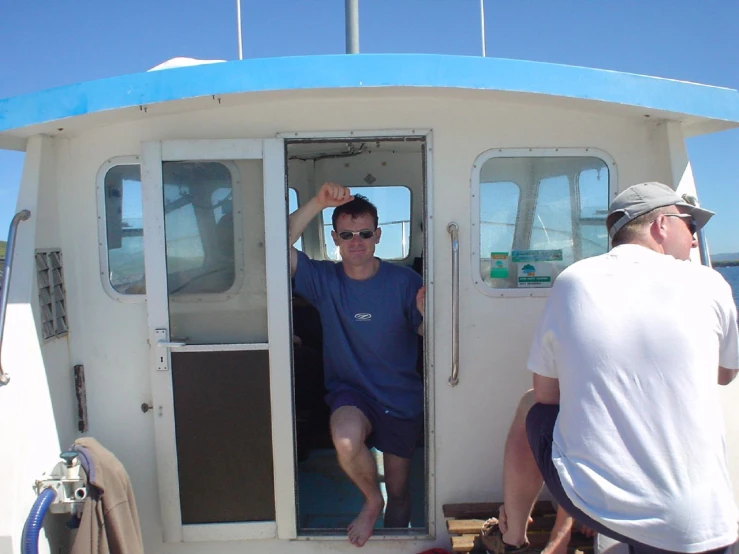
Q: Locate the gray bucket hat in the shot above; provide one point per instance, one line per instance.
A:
(645, 197)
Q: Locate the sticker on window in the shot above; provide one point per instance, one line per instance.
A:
(535, 267)
(499, 265)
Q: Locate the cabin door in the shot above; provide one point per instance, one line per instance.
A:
(215, 228)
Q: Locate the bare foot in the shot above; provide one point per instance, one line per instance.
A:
(361, 528)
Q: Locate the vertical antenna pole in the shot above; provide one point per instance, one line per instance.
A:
(238, 27)
(482, 25)
(352, 26)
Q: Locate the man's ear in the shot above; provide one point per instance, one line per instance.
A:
(659, 227)
(335, 236)
(378, 234)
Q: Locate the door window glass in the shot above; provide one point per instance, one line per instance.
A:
(198, 215)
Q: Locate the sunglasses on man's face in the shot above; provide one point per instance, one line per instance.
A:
(363, 234)
(689, 221)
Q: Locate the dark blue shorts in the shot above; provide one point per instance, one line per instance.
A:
(389, 434)
(540, 429)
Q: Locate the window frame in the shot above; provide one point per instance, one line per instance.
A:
(103, 257)
(475, 246)
(297, 206)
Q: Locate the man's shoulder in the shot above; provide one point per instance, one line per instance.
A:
(712, 277)
(401, 272)
(304, 259)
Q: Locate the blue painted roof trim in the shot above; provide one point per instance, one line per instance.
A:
(365, 71)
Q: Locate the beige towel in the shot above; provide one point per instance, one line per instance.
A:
(110, 523)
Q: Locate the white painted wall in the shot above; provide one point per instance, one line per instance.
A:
(470, 420)
(29, 404)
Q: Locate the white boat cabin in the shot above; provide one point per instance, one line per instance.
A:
(150, 305)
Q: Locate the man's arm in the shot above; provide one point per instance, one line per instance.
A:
(330, 194)
(546, 389)
(420, 304)
(726, 376)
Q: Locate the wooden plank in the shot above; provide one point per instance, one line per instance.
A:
(484, 510)
(463, 526)
(464, 543)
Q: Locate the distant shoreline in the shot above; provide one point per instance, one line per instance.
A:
(725, 264)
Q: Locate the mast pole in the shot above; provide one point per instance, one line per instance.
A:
(352, 26)
(238, 28)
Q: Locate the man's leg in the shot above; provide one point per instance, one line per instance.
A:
(397, 486)
(522, 483)
(349, 429)
(561, 533)
(522, 480)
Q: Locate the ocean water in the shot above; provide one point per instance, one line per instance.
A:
(731, 274)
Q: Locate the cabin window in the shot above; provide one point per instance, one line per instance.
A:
(124, 229)
(498, 212)
(394, 208)
(198, 204)
(538, 214)
(292, 199)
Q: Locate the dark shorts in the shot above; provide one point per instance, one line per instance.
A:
(540, 429)
(389, 434)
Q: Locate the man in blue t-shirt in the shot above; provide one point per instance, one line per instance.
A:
(371, 312)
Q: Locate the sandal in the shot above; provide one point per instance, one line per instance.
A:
(492, 540)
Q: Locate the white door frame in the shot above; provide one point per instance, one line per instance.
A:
(429, 280)
(271, 151)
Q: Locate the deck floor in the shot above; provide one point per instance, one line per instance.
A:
(328, 500)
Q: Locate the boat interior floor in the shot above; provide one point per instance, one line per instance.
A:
(328, 501)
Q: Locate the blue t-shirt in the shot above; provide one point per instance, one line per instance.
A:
(370, 331)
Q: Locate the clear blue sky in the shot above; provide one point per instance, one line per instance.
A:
(46, 43)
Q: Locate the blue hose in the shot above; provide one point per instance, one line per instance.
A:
(29, 541)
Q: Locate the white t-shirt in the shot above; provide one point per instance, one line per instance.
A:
(635, 339)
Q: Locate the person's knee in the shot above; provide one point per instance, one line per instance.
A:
(347, 445)
(349, 429)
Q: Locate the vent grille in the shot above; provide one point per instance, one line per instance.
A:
(51, 294)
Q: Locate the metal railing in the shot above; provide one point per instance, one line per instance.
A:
(453, 230)
(23, 215)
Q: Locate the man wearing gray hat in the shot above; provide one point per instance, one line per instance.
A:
(624, 423)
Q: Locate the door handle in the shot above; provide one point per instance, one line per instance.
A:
(171, 343)
(164, 341)
(453, 230)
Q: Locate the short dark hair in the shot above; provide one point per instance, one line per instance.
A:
(359, 206)
(631, 232)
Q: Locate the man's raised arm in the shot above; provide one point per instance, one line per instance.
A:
(329, 195)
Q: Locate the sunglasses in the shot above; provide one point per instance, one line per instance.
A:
(363, 234)
(689, 221)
